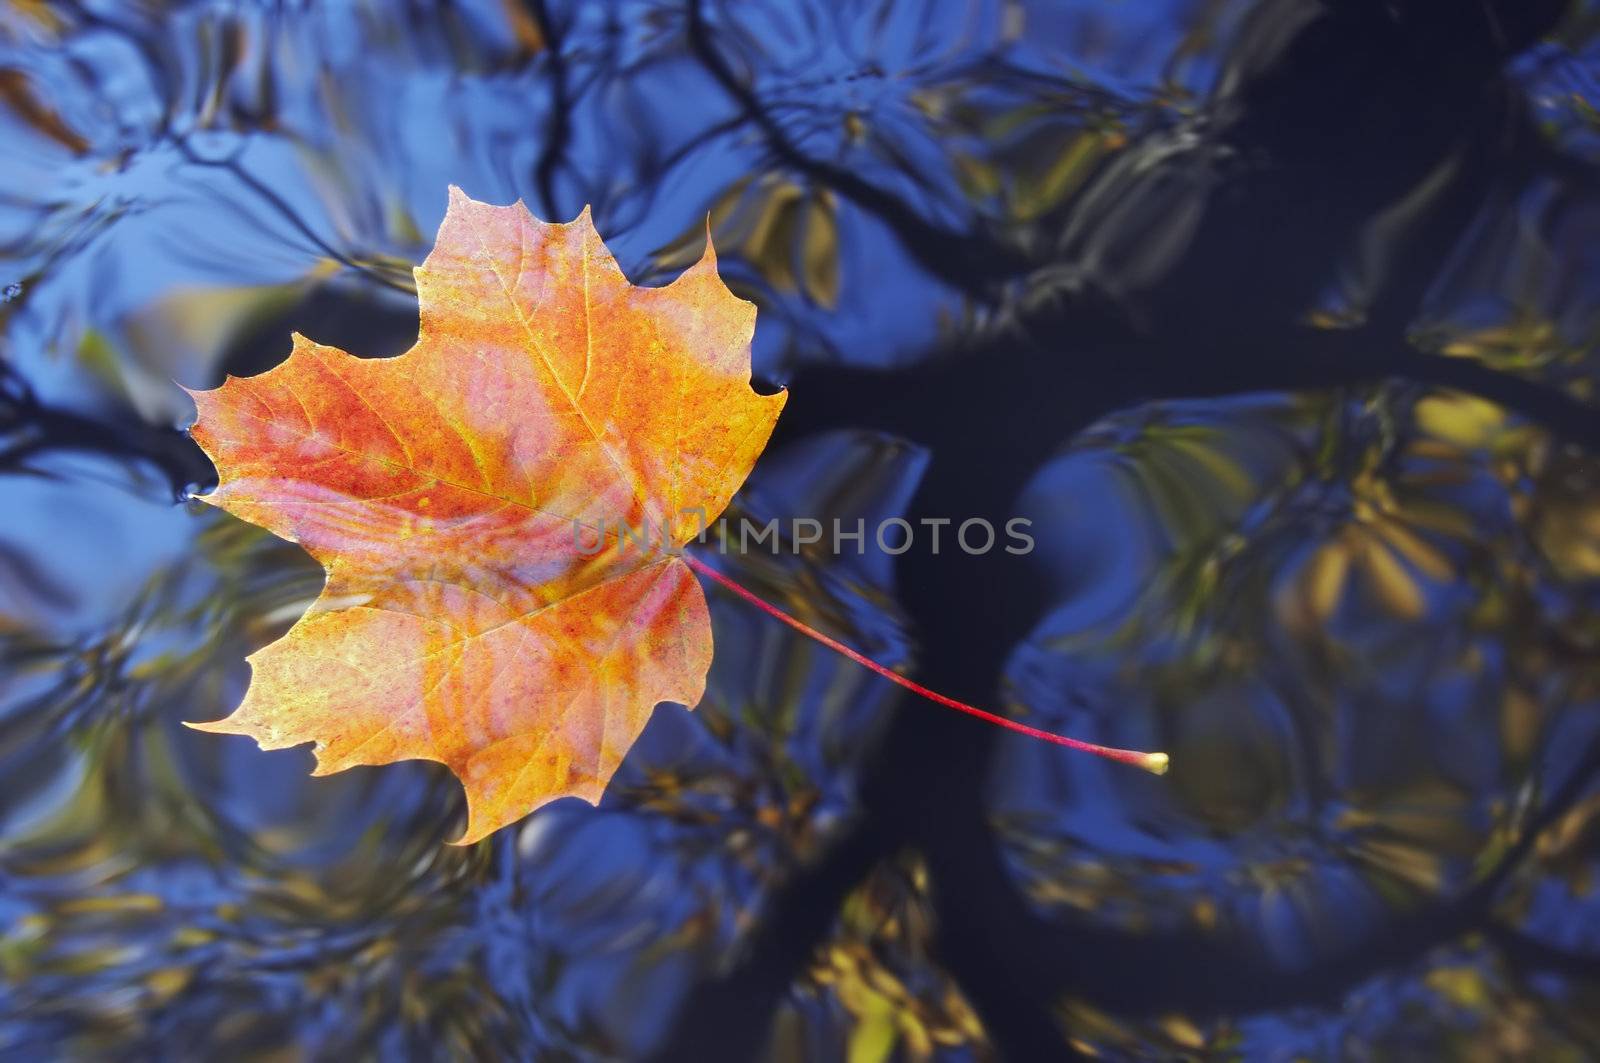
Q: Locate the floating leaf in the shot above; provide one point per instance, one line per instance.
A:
(442, 489)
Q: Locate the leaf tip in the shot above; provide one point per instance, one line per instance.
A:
(201, 397)
(583, 221)
(208, 726)
(710, 255)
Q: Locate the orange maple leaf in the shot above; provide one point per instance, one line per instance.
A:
(441, 489)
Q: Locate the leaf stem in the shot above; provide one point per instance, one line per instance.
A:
(1151, 762)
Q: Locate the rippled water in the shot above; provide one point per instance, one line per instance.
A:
(1361, 618)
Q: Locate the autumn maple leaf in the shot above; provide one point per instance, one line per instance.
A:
(441, 489)
(483, 607)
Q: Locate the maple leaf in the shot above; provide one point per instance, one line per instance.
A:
(460, 621)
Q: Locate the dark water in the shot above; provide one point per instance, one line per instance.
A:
(1358, 609)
